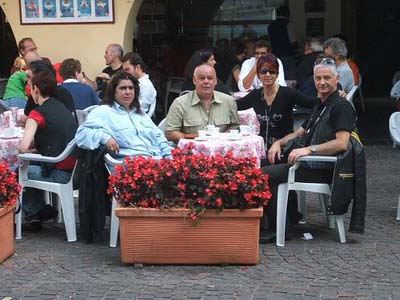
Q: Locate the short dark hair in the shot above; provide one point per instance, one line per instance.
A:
(270, 60)
(262, 44)
(42, 66)
(112, 87)
(69, 67)
(21, 43)
(45, 82)
(134, 58)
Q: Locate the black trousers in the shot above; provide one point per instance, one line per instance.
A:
(279, 174)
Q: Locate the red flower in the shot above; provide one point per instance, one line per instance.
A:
(190, 180)
(9, 187)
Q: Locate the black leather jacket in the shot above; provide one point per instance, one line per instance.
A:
(349, 182)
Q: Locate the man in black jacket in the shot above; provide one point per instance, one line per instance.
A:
(326, 132)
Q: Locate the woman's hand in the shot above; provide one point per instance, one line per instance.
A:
(274, 152)
(112, 146)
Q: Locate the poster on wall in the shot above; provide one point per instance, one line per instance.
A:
(315, 27)
(66, 11)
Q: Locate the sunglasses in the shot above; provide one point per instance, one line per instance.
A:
(265, 71)
(324, 61)
(260, 53)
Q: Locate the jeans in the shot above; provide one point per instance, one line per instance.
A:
(15, 102)
(279, 174)
(32, 199)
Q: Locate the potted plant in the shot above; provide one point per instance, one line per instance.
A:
(9, 192)
(192, 209)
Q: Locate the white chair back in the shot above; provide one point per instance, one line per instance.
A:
(394, 128)
(163, 124)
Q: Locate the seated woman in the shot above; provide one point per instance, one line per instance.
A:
(51, 126)
(121, 125)
(273, 103)
(202, 56)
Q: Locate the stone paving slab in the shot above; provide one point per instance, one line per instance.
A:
(367, 267)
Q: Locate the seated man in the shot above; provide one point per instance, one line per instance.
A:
(201, 107)
(134, 64)
(83, 95)
(326, 132)
(337, 48)
(248, 79)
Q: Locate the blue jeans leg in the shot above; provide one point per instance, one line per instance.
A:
(32, 199)
(16, 102)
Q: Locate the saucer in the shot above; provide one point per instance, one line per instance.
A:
(234, 138)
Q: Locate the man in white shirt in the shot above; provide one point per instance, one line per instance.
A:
(133, 63)
(248, 79)
(336, 48)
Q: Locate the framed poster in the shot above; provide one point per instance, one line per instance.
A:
(66, 11)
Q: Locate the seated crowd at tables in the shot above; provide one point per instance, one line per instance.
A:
(124, 94)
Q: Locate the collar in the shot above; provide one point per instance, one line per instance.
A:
(71, 80)
(196, 100)
(332, 97)
(118, 107)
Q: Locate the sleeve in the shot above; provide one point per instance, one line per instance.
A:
(343, 117)
(147, 96)
(38, 117)
(304, 100)
(246, 67)
(247, 101)
(175, 117)
(94, 132)
(281, 75)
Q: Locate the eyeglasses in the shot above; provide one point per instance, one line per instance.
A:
(324, 61)
(260, 53)
(265, 71)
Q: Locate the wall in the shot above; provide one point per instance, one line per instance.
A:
(332, 18)
(85, 42)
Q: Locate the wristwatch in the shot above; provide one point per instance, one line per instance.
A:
(313, 149)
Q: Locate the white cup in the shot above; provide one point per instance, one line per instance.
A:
(202, 134)
(210, 128)
(245, 129)
(234, 133)
(215, 132)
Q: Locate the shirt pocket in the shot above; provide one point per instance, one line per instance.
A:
(192, 125)
(221, 121)
(121, 135)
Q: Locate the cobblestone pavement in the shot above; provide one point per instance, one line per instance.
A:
(45, 266)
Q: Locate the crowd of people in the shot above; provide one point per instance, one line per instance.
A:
(125, 96)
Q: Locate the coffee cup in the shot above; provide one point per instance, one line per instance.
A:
(210, 128)
(245, 129)
(215, 132)
(202, 134)
(234, 133)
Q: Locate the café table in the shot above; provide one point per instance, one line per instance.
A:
(9, 151)
(241, 146)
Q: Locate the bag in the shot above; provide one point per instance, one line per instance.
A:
(297, 142)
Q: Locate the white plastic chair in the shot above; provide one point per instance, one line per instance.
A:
(63, 191)
(90, 108)
(114, 222)
(81, 116)
(163, 124)
(322, 188)
(350, 95)
(394, 128)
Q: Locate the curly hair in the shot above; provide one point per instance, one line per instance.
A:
(69, 67)
(112, 87)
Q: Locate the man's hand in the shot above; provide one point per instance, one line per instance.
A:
(274, 153)
(104, 76)
(342, 93)
(295, 154)
(112, 146)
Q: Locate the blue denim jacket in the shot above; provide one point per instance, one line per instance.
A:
(136, 134)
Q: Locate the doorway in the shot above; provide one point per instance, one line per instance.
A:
(8, 44)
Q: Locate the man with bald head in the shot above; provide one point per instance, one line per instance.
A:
(201, 107)
(113, 57)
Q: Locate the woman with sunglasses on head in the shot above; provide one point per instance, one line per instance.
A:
(202, 56)
(273, 103)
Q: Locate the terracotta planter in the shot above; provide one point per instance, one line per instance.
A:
(7, 242)
(154, 236)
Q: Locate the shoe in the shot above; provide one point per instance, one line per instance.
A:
(267, 237)
(34, 222)
(48, 213)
